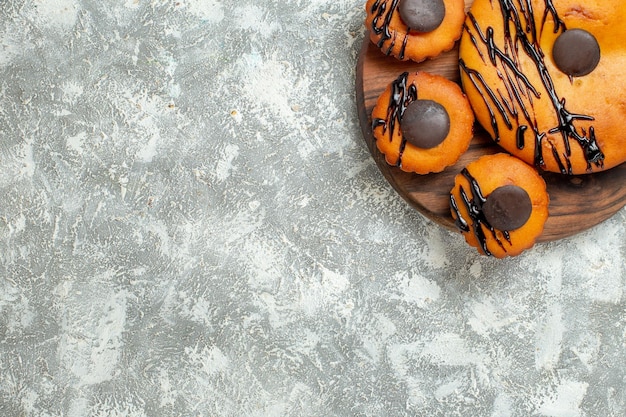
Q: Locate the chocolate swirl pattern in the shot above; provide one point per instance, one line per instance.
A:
(402, 94)
(507, 50)
(383, 12)
(473, 200)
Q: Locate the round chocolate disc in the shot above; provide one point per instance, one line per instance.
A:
(508, 208)
(425, 123)
(576, 52)
(422, 15)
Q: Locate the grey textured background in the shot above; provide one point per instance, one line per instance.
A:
(191, 225)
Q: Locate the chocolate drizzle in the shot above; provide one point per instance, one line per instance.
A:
(473, 201)
(519, 16)
(402, 94)
(380, 26)
(520, 139)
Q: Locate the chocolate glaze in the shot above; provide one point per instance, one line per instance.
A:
(422, 15)
(383, 10)
(521, 140)
(425, 124)
(473, 201)
(576, 52)
(402, 95)
(508, 207)
(520, 14)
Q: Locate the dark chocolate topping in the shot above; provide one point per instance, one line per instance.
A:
(425, 124)
(383, 11)
(576, 52)
(422, 15)
(507, 208)
(403, 93)
(474, 201)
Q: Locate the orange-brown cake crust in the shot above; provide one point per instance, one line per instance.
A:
(392, 35)
(558, 119)
(387, 122)
(472, 190)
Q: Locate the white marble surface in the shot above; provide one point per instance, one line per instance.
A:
(191, 225)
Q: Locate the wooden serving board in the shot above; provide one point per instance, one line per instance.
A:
(577, 203)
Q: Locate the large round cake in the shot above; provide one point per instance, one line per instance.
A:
(545, 80)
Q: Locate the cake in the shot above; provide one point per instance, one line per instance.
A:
(499, 204)
(415, 29)
(545, 80)
(422, 123)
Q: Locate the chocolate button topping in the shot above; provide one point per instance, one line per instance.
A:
(507, 208)
(422, 15)
(576, 52)
(425, 123)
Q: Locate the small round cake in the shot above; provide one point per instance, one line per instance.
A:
(500, 205)
(415, 29)
(545, 80)
(422, 123)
